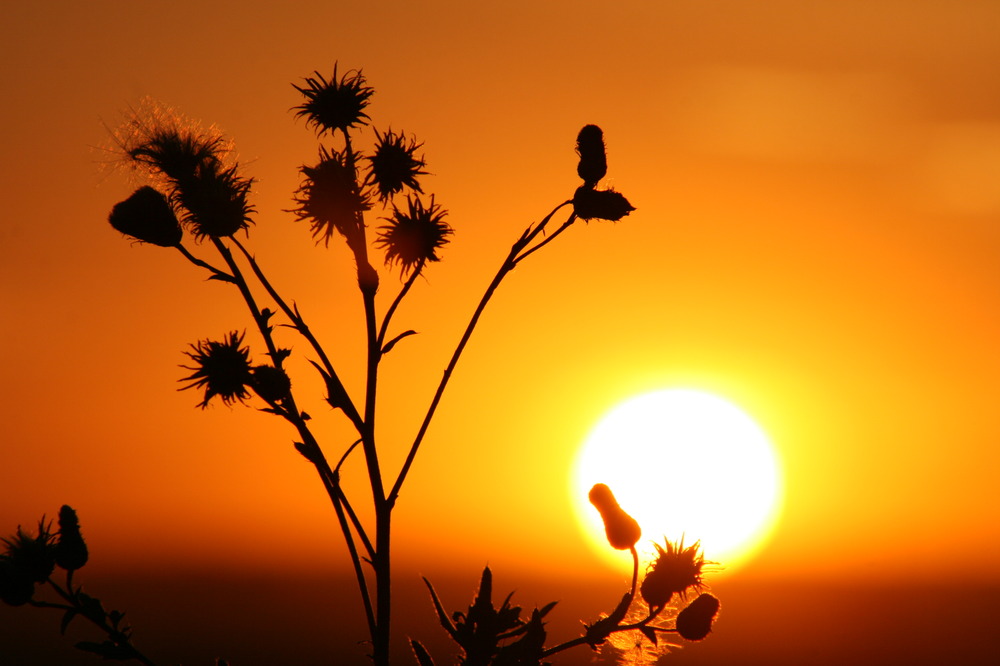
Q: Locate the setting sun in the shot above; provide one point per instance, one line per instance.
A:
(683, 463)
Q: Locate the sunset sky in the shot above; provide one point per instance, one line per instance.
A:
(816, 240)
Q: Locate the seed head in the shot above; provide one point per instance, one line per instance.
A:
(147, 217)
(334, 104)
(221, 369)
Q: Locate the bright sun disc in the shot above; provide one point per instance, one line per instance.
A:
(682, 463)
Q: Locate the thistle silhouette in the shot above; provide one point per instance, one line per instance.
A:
(198, 191)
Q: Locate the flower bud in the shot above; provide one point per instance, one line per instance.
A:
(147, 217)
(695, 621)
(593, 159)
(622, 530)
(70, 549)
(270, 383)
(591, 204)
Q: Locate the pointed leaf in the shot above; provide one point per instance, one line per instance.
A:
(392, 343)
(649, 633)
(442, 615)
(423, 658)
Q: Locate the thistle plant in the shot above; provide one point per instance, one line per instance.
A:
(198, 200)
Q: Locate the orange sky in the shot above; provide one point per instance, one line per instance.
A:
(817, 239)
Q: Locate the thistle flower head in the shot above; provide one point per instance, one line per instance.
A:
(394, 164)
(147, 217)
(591, 204)
(675, 570)
(695, 621)
(214, 201)
(221, 369)
(330, 198)
(31, 555)
(415, 235)
(335, 104)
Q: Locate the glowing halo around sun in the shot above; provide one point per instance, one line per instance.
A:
(683, 463)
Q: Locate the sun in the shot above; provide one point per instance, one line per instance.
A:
(683, 463)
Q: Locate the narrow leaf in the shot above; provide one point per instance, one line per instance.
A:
(392, 343)
(423, 658)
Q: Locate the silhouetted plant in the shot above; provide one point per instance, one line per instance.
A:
(198, 191)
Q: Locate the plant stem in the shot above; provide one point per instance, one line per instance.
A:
(508, 265)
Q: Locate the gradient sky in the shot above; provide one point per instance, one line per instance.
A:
(817, 240)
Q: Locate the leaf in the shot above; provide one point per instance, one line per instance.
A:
(66, 619)
(392, 343)
(442, 615)
(649, 633)
(423, 658)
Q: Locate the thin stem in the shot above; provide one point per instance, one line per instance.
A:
(216, 273)
(339, 498)
(508, 265)
(300, 325)
(551, 237)
(117, 636)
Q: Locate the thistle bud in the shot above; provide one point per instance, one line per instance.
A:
(622, 530)
(695, 621)
(270, 383)
(593, 159)
(591, 204)
(147, 217)
(70, 549)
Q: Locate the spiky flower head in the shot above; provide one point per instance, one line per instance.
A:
(330, 199)
(194, 167)
(593, 163)
(394, 164)
(622, 530)
(214, 201)
(70, 548)
(147, 217)
(415, 235)
(675, 570)
(222, 368)
(695, 621)
(31, 555)
(591, 204)
(335, 104)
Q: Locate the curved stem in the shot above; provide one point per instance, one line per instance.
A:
(506, 267)
(216, 273)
